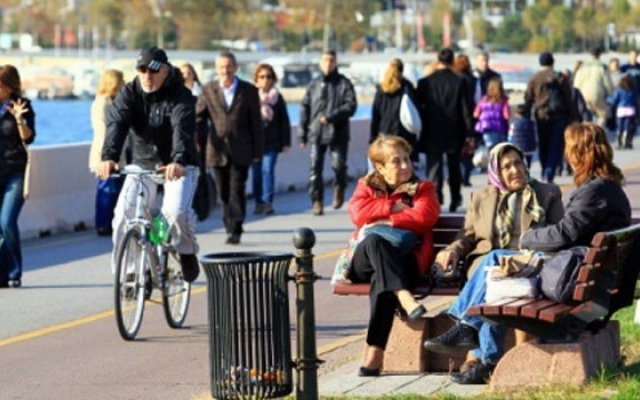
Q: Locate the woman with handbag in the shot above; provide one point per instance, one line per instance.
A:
(385, 111)
(17, 129)
(597, 204)
(391, 195)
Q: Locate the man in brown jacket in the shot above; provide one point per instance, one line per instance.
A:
(234, 138)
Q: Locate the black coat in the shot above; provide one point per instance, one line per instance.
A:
(277, 132)
(162, 124)
(485, 77)
(385, 113)
(13, 155)
(332, 96)
(444, 108)
(596, 206)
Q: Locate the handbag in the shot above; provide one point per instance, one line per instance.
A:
(204, 198)
(409, 115)
(405, 241)
(559, 274)
(343, 263)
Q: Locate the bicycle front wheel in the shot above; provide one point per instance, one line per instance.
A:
(129, 285)
(176, 293)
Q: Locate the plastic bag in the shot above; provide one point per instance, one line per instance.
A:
(481, 157)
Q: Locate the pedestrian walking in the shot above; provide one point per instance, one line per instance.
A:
(17, 129)
(277, 134)
(325, 111)
(625, 101)
(447, 122)
(462, 67)
(522, 133)
(594, 81)
(493, 114)
(228, 114)
(107, 190)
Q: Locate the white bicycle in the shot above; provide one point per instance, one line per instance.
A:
(143, 266)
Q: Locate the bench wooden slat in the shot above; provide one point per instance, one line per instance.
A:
(585, 274)
(531, 310)
(584, 291)
(515, 307)
(495, 308)
(554, 313)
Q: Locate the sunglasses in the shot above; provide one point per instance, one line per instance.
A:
(265, 76)
(144, 70)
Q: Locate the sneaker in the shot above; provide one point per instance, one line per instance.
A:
(460, 337)
(338, 198)
(190, 267)
(317, 207)
(268, 209)
(233, 239)
(15, 283)
(259, 209)
(477, 374)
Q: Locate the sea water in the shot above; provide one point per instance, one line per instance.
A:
(69, 121)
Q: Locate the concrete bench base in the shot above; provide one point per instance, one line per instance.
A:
(536, 364)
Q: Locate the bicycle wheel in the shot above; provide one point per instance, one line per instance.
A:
(129, 285)
(176, 293)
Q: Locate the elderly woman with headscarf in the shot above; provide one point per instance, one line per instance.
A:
(498, 214)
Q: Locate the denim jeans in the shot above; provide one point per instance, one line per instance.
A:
(263, 177)
(491, 335)
(11, 201)
(338, 153)
(493, 138)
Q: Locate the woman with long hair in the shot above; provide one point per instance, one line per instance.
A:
(191, 80)
(107, 190)
(385, 111)
(493, 114)
(17, 129)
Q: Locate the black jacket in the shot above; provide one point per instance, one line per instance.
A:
(13, 155)
(444, 108)
(332, 96)
(485, 77)
(277, 132)
(596, 206)
(385, 113)
(162, 124)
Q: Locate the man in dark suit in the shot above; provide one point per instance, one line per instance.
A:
(484, 74)
(446, 122)
(234, 138)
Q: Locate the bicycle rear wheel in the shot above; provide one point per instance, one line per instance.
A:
(129, 285)
(176, 293)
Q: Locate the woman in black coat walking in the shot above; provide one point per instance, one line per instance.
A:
(385, 113)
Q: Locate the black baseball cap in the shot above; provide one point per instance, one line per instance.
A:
(152, 58)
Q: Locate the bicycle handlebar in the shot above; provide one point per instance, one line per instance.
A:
(136, 170)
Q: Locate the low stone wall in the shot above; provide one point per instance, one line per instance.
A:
(62, 190)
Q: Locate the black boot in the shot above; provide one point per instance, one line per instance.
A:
(621, 138)
(628, 140)
(460, 337)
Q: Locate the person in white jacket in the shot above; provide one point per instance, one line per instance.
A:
(594, 82)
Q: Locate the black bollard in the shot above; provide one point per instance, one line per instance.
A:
(307, 363)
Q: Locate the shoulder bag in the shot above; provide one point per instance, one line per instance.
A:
(409, 115)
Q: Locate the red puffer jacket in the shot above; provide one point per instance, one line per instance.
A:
(371, 202)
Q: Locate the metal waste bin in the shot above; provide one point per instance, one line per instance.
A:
(249, 330)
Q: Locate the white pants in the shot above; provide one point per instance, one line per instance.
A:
(176, 208)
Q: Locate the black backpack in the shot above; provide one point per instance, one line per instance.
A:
(557, 103)
(559, 274)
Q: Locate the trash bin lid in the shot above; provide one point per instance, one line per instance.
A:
(247, 257)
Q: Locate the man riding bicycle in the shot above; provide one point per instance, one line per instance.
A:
(157, 110)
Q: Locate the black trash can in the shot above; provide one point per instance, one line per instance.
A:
(249, 330)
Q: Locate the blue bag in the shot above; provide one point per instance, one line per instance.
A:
(402, 239)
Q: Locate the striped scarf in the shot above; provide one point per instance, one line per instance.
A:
(507, 212)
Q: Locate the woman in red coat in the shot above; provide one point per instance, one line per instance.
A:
(392, 194)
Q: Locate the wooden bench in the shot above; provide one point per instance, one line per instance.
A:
(606, 283)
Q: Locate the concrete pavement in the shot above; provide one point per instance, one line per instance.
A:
(58, 338)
